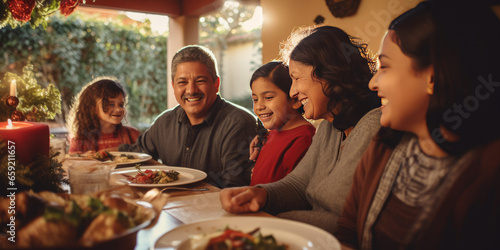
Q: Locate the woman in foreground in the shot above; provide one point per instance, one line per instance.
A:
(430, 178)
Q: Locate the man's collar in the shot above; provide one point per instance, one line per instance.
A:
(209, 118)
(212, 113)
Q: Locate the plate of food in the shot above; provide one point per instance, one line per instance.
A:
(156, 176)
(120, 158)
(247, 232)
(48, 220)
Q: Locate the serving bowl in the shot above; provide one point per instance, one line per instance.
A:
(44, 236)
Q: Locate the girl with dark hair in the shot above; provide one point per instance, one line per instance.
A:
(95, 118)
(330, 72)
(289, 136)
(426, 181)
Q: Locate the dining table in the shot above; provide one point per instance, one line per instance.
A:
(181, 216)
(183, 207)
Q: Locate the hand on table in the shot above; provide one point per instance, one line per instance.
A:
(243, 199)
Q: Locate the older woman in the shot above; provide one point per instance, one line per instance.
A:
(330, 73)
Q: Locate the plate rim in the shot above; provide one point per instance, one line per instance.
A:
(271, 220)
(162, 167)
(147, 158)
(84, 158)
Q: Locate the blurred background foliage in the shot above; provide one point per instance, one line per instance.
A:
(69, 52)
(73, 50)
(232, 23)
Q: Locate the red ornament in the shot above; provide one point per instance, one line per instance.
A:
(68, 6)
(17, 115)
(12, 101)
(21, 9)
(31, 116)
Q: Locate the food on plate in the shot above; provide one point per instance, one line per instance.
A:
(149, 176)
(124, 158)
(232, 239)
(103, 156)
(100, 156)
(48, 220)
(74, 155)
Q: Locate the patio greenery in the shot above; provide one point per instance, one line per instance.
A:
(73, 50)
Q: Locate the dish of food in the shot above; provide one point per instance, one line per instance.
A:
(75, 220)
(186, 176)
(120, 158)
(295, 235)
(233, 239)
(156, 176)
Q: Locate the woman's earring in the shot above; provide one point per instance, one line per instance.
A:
(430, 88)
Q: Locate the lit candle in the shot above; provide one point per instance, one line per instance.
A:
(30, 139)
(13, 88)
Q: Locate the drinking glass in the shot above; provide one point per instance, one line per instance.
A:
(89, 176)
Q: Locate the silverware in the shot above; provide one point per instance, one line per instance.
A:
(127, 175)
(183, 189)
(154, 193)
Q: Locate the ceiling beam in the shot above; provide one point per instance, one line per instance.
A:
(200, 7)
(171, 8)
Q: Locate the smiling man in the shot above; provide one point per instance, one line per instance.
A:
(204, 131)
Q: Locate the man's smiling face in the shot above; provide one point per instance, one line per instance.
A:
(195, 90)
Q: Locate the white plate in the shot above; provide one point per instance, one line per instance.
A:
(187, 175)
(296, 235)
(138, 157)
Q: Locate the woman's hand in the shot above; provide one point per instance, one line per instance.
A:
(254, 149)
(243, 199)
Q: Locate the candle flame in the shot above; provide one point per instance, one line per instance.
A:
(10, 124)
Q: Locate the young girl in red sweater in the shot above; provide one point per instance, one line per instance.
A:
(95, 119)
(289, 133)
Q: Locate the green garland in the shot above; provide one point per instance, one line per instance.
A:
(41, 13)
(44, 174)
(5, 16)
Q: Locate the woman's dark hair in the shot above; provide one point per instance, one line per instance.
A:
(277, 73)
(346, 67)
(414, 32)
(456, 40)
(466, 68)
(83, 119)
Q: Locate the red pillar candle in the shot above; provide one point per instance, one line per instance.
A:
(29, 138)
